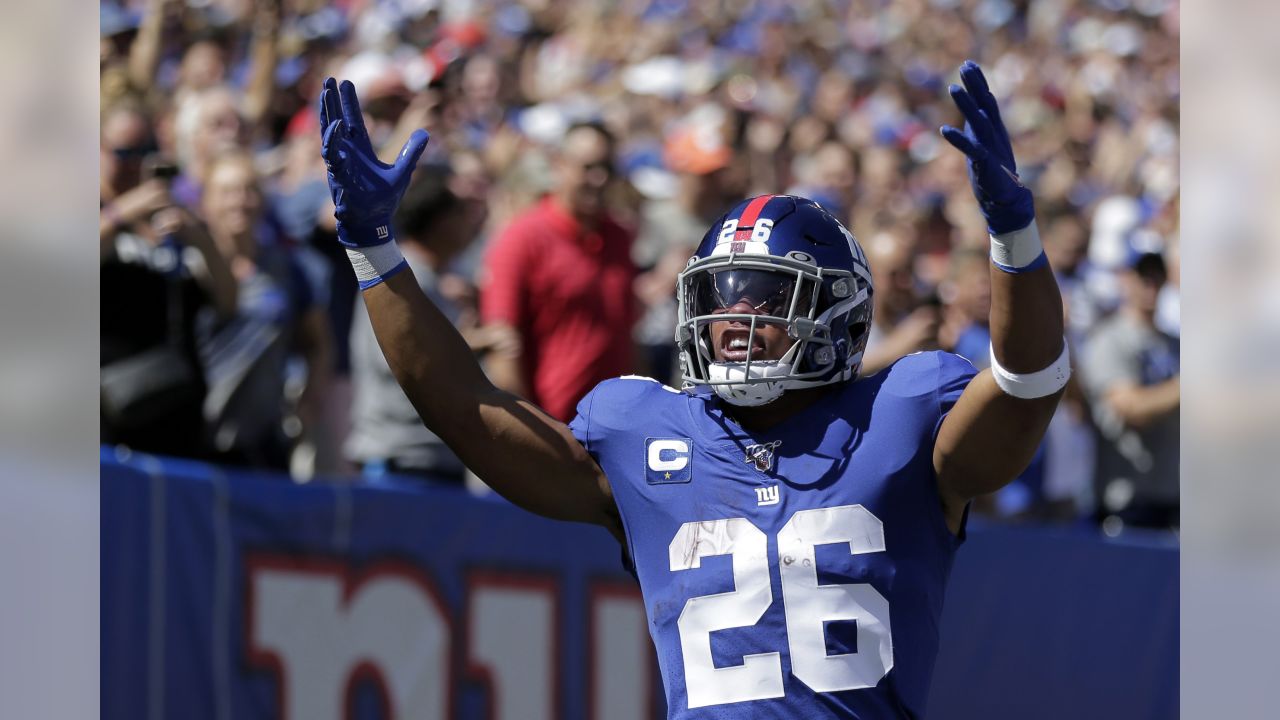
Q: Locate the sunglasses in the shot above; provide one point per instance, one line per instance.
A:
(134, 152)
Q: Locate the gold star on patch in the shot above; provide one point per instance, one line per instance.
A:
(668, 476)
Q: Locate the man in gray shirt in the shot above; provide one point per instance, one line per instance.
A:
(1131, 374)
(433, 225)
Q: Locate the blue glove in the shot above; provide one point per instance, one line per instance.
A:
(365, 190)
(1006, 203)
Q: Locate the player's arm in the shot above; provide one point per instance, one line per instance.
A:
(993, 430)
(530, 458)
(505, 364)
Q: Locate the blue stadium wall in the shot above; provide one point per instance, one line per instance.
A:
(229, 594)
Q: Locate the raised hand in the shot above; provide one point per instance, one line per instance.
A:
(365, 190)
(142, 201)
(1006, 203)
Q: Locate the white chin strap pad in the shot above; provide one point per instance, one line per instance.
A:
(1041, 383)
(729, 380)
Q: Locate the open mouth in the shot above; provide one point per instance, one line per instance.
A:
(736, 345)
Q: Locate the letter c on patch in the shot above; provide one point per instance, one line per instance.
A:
(668, 455)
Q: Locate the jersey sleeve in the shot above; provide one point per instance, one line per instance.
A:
(601, 426)
(612, 423)
(609, 415)
(954, 375)
(580, 426)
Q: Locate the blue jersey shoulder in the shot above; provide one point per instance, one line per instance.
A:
(923, 373)
(623, 404)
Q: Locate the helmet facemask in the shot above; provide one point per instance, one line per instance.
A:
(791, 292)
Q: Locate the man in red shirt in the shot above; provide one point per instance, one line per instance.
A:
(560, 276)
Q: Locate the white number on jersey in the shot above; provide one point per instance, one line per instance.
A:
(807, 606)
(759, 676)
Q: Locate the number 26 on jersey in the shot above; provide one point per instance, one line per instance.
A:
(807, 606)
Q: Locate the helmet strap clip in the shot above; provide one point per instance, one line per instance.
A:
(802, 328)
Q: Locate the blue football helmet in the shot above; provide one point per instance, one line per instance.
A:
(796, 267)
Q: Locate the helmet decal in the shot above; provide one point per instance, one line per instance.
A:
(747, 233)
(751, 213)
(854, 247)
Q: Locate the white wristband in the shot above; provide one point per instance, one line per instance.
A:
(1017, 250)
(1041, 383)
(376, 263)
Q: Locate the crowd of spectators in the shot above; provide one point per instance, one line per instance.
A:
(579, 150)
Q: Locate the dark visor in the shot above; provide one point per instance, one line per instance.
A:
(763, 292)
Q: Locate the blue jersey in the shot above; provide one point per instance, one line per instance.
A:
(796, 572)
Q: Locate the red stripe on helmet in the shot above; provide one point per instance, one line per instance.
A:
(750, 215)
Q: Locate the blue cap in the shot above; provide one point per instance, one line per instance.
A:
(114, 20)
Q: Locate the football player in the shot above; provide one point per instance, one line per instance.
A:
(791, 525)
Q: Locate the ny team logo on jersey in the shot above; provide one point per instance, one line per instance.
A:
(761, 455)
(767, 495)
(667, 460)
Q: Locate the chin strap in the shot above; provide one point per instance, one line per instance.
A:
(736, 391)
(749, 395)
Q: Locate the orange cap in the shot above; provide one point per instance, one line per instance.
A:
(697, 150)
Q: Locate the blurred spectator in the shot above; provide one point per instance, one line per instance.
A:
(967, 292)
(828, 177)
(160, 270)
(1066, 243)
(298, 201)
(560, 276)
(127, 142)
(1071, 443)
(207, 124)
(901, 323)
(280, 312)
(1168, 305)
(706, 183)
(433, 225)
(1130, 370)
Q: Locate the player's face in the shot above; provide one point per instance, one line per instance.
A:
(732, 340)
(748, 292)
